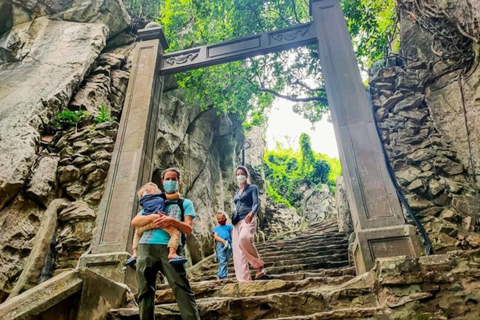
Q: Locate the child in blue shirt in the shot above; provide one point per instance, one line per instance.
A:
(223, 238)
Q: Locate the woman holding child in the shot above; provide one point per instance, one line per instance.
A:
(244, 251)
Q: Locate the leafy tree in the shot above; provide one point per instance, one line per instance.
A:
(373, 27)
(247, 86)
(144, 9)
(287, 171)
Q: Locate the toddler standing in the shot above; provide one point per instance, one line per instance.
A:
(223, 238)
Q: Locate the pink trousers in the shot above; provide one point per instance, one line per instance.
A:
(244, 250)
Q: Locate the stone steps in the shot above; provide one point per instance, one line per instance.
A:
(295, 275)
(302, 254)
(311, 247)
(311, 259)
(307, 251)
(348, 313)
(232, 288)
(323, 239)
(268, 306)
(321, 264)
(304, 281)
(312, 253)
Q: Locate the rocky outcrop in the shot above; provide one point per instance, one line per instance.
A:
(281, 220)
(344, 215)
(111, 13)
(255, 147)
(318, 204)
(425, 110)
(41, 248)
(55, 56)
(19, 222)
(207, 159)
(54, 50)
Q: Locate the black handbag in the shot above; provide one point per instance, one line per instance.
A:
(235, 215)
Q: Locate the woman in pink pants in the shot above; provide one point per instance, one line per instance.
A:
(244, 251)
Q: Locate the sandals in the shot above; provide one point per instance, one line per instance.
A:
(177, 260)
(261, 274)
(131, 262)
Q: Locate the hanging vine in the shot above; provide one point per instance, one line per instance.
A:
(451, 43)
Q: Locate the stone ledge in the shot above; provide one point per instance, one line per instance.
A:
(93, 296)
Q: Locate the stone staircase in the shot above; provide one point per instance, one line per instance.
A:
(304, 281)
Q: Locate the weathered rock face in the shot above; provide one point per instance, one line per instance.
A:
(27, 103)
(204, 146)
(344, 216)
(254, 151)
(428, 127)
(111, 13)
(42, 63)
(318, 204)
(19, 223)
(280, 220)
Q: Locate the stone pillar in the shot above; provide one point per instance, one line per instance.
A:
(377, 215)
(132, 160)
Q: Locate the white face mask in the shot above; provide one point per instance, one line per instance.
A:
(241, 179)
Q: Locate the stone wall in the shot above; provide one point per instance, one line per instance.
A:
(425, 110)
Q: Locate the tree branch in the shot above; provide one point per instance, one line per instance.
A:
(295, 10)
(283, 96)
(301, 84)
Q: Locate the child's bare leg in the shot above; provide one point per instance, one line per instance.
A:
(173, 243)
(134, 252)
(172, 253)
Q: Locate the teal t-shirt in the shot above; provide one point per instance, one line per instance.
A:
(160, 236)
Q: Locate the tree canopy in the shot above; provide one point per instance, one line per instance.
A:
(249, 86)
(288, 171)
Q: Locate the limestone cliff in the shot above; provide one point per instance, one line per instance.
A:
(425, 105)
(51, 53)
(205, 146)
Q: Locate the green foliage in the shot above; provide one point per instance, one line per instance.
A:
(145, 9)
(69, 118)
(104, 115)
(373, 28)
(288, 171)
(238, 87)
(257, 118)
(275, 196)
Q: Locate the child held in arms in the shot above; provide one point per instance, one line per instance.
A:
(153, 202)
(223, 238)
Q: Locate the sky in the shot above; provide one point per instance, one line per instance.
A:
(285, 126)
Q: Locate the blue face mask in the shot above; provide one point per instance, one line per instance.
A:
(170, 186)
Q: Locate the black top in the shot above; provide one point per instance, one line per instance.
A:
(248, 201)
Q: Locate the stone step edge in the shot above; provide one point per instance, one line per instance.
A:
(319, 273)
(326, 292)
(310, 238)
(274, 270)
(347, 313)
(283, 262)
(319, 283)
